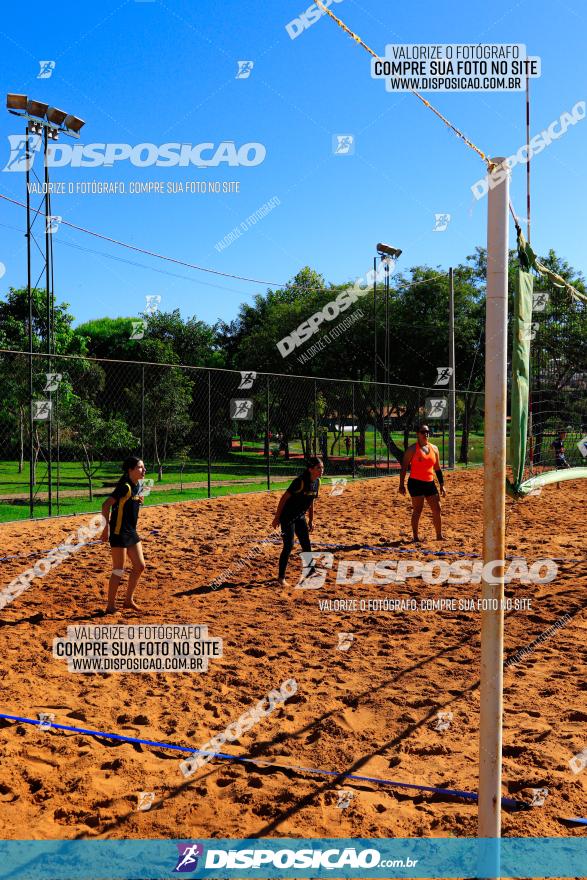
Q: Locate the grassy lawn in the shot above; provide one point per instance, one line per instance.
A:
(235, 467)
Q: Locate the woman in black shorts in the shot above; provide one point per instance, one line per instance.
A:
(423, 460)
(291, 514)
(122, 531)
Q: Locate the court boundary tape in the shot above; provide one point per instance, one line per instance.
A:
(426, 552)
(378, 548)
(506, 802)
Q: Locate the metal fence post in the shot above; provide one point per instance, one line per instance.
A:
(375, 431)
(353, 431)
(50, 444)
(143, 412)
(266, 442)
(210, 434)
(452, 379)
(57, 449)
(315, 421)
(386, 407)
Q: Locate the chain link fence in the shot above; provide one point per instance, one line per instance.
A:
(67, 423)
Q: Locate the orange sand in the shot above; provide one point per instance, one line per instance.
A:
(370, 710)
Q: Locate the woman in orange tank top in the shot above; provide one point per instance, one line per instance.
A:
(424, 462)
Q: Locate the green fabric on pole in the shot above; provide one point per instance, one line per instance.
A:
(545, 479)
(528, 260)
(520, 375)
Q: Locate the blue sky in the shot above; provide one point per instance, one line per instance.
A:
(165, 71)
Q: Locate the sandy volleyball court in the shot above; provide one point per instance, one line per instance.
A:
(370, 709)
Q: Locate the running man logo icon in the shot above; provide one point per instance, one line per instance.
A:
(52, 223)
(22, 159)
(241, 409)
(345, 640)
(145, 800)
(312, 578)
(244, 69)
(528, 332)
(138, 329)
(343, 144)
(47, 68)
(46, 719)
(42, 410)
(146, 487)
(539, 795)
(582, 447)
(189, 853)
(338, 486)
(441, 222)
(345, 796)
(247, 380)
(436, 407)
(53, 381)
(540, 301)
(444, 374)
(443, 720)
(152, 303)
(578, 762)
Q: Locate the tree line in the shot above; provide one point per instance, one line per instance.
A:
(100, 407)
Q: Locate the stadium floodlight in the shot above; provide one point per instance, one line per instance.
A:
(36, 108)
(16, 102)
(40, 116)
(73, 125)
(388, 250)
(56, 116)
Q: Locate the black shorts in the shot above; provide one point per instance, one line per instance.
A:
(127, 538)
(562, 464)
(421, 488)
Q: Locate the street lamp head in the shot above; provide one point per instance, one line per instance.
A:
(16, 102)
(387, 250)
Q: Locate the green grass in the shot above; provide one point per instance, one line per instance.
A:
(236, 466)
(10, 510)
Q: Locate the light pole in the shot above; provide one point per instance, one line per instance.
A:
(386, 254)
(452, 378)
(44, 123)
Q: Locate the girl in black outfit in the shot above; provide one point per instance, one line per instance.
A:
(125, 501)
(291, 513)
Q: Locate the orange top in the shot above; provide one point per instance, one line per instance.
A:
(422, 464)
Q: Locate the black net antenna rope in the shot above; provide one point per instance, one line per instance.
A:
(275, 284)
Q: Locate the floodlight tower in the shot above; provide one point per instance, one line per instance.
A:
(44, 124)
(386, 254)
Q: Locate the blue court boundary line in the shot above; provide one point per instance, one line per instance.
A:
(512, 803)
(422, 550)
(378, 548)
